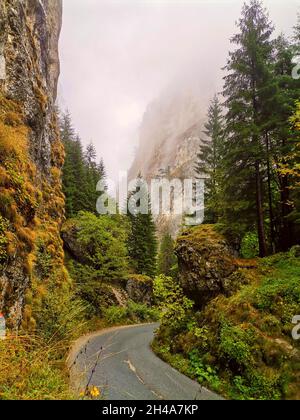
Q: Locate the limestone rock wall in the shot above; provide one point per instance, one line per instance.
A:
(31, 155)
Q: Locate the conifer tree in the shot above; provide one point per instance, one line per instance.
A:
(209, 160)
(67, 134)
(166, 257)
(142, 241)
(248, 70)
(81, 173)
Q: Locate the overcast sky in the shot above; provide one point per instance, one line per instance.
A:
(117, 56)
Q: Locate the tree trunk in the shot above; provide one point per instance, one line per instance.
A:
(260, 213)
(271, 212)
(286, 234)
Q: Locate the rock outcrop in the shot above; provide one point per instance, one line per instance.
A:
(207, 265)
(31, 155)
(140, 289)
(116, 290)
(170, 137)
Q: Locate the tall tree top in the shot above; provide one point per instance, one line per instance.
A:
(67, 130)
(91, 154)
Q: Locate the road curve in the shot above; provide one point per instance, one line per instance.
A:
(125, 368)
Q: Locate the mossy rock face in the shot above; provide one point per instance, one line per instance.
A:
(207, 265)
(69, 234)
(140, 289)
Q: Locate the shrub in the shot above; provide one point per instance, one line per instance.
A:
(235, 344)
(132, 313)
(250, 246)
(175, 307)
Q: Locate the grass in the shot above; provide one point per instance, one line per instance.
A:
(31, 369)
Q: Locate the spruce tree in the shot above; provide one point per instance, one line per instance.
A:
(142, 241)
(67, 134)
(81, 172)
(248, 70)
(166, 257)
(282, 137)
(209, 160)
(94, 173)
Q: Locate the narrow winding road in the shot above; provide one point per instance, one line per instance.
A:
(126, 368)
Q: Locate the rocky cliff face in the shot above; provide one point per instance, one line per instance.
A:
(170, 136)
(31, 156)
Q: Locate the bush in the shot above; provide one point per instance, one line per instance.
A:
(174, 306)
(235, 345)
(250, 246)
(130, 314)
(61, 316)
(205, 374)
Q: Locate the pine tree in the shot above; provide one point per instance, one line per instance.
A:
(248, 75)
(67, 134)
(281, 138)
(79, 196)
(81, 173)
(142, 241)
(166, 257)
(94, 173)
(209, 160)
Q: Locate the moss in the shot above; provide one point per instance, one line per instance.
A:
(3, 239)
(140, 278)
(32, 207)
(246, 337)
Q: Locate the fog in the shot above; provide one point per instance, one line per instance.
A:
(118, 56)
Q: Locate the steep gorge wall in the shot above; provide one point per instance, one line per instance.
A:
(31, 157)
(170, 139)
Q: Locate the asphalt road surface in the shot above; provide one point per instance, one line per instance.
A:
(121, 363)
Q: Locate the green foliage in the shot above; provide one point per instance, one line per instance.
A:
(259, 99)
(166, 258)
(256, 387)
(235, 344)
(103, 239)
(174, 305)
(250, 245)
(61, 316)
(205, 374)
(241, 345)
(44, 261)
(142, 241)
(279, 292)
(130, 314)
(209, 160)
(81, 172)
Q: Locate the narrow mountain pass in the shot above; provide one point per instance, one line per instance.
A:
(121, 363)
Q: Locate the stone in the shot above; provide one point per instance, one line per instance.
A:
(207, 265)
(140, 289)
(2, 68)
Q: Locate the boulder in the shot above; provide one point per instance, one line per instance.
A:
(69, 234)
(207, 265)
(140, 289)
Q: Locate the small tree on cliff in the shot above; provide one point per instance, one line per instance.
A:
(142, 241)
(166, 257)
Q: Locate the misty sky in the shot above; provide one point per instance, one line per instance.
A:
(117, 56)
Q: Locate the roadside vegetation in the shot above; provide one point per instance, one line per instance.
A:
(240, 346)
